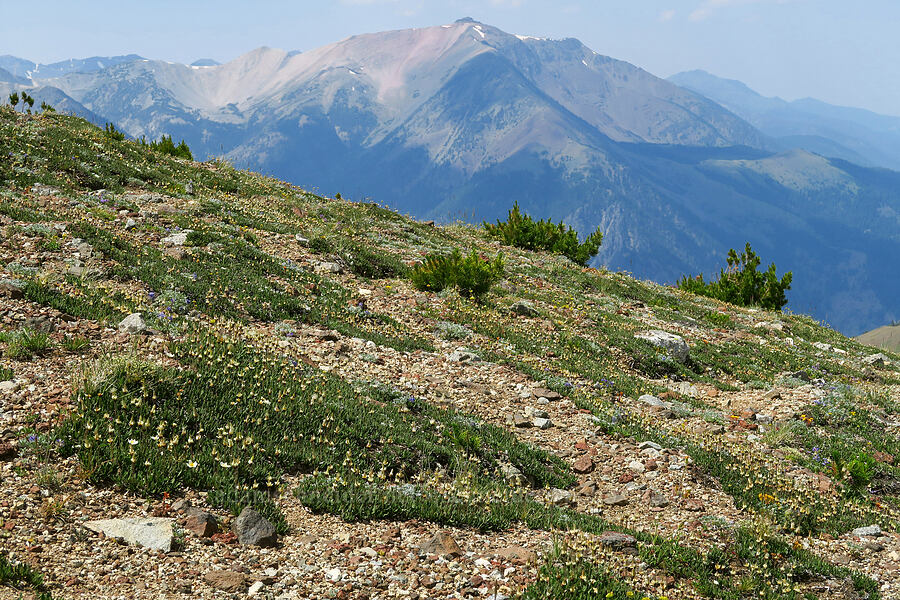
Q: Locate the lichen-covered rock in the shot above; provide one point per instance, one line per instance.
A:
(672, 345)
(253, 529)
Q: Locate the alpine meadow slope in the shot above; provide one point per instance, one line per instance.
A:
(215, 382)
(459, 121)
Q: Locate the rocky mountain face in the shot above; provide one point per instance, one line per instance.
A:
(461, 120)
(853, 134)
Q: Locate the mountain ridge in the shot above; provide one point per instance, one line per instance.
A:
(854, 134)
(674, 178)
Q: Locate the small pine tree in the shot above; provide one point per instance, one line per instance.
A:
(472, 275)
(47, 108)
(521, 231)
(112, 133)
(14, 99)
(26, 99)
(742, 283)
(167, 146)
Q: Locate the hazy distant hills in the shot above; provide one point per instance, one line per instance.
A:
(853, 134)
(460, 120)
(30, 70)
(886, 338)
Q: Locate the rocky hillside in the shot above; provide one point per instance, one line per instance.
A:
(215, 384)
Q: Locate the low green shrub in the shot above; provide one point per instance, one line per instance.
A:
(369, 263)
(21, 576)
(742, 284)
(473, 275)
(521, 231)
(208, 425)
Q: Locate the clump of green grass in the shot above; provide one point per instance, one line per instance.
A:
(26, 344)
(719, 319)
(567, 574)
(75, 344)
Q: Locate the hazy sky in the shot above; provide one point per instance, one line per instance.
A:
(835, 50)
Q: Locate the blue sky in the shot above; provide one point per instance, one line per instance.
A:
(838, 51)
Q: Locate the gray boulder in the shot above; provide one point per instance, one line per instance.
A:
(672, 345)
(177, 239)
(524, 308)
(655, 402)
(253, 529)
(561, 497)
(463, 356)
(133, 324)
(150, 532)
(877, 360)
(870, 531)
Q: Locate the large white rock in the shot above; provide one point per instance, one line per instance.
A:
(133, 323)
(177, 239)
(877, 360)
(672, 345)
(150, 532)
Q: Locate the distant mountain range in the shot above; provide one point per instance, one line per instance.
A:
(853, 134)
(460, 120)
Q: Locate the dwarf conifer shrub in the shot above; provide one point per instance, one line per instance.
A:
(521, 231)
(473, 274)
(110, 131)
(165, 145)
(742, 283)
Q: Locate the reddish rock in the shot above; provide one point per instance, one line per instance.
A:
(583, 465)
(225, 537)
(227, 581)
(545, 393)
(882, 457)
(694, 505)
(588, 488)
(517, 553)
(441, 544)
(201, 523)
(626, 477)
